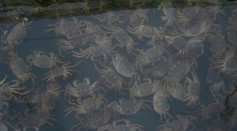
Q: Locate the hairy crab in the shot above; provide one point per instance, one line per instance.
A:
(16, 35)
(64, 70)
(9, 90)
(34, 121)
(40, 59)
(128, 106)
(20, 68)
(86, 105)
(80, 89)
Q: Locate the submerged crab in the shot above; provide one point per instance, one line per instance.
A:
(49, 97)
(149, 56)
(145, 88)
(16, 35)
(20, 68)
(161, 105)
(65, 46)
(124, 67)
(86, 105)
(110, 78)
(159, 69)
(33, 120)
(65, 70)
(196, 28)
(181, 124)
(211, 110)
(176, 90)
(193, 90)
(40, 59)
(9, 90)
(219, 124)
(81, 89)
(217, 90)
(138, 17)
(93, 52)
(218, 44)
(121, 125)
(94, 120)
(147, 31)
(128, 106)
(180, 69)
(229, 63)
(123, 40)
(65, 27)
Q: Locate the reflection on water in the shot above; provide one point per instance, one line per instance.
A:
(169, 67)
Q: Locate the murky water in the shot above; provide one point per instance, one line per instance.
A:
(167, 65)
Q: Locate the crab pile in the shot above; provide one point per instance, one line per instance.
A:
(170, 68)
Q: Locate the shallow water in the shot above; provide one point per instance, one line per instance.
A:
(201, 47)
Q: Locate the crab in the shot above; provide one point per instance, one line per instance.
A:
(80, 90)
(138, 17)
(86, 105)
(218, 44)
(65, 46)
(149, 56)
(219, 124)
(161, 105)
(193, 48)
(34, 97)
(121, 125)
(176, 90)
(185, 15)
(49, 97)
(211, 110)
(180, 124)
(16, 35)
(110, 78)
(180, 69)
(94, 120)
(64, 70)
(40, 59)
(94, 52)
(196, 28)
(65, 27)
(147, 31)
(145, 88)
(124, 67)
(128, 106)
(123, 40)
(20, 68)
(159, 69)
(169, 12)
(9, 90)
(229, 63)
(34, 121)
(193, 89)
(217, 89)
